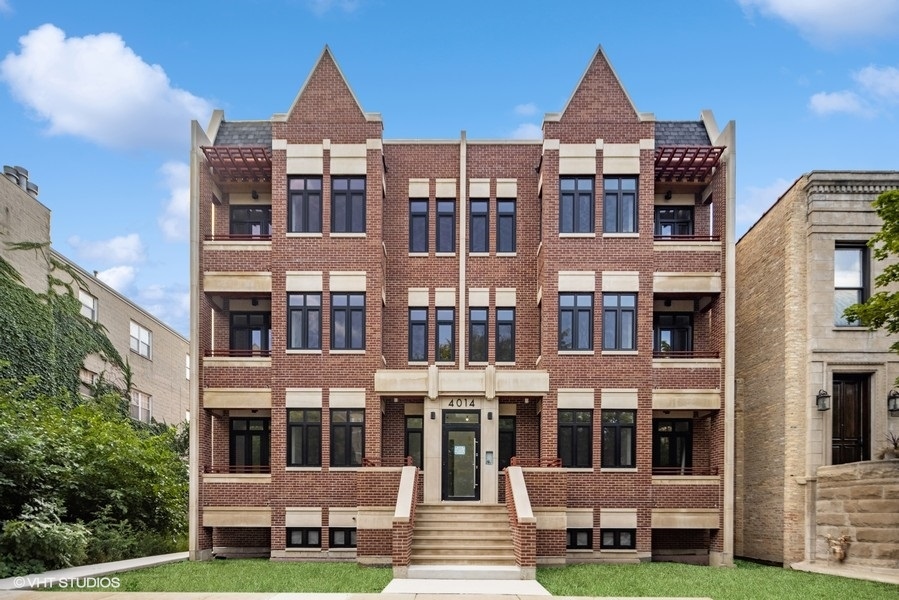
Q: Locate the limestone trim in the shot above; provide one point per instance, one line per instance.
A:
(419, 188)
(229, 361)
(686, 518)
(479, 188)
(232, 281)
(686, 399)
(237, 478)
(696, 282)
(573, 398)
(227, 398)
(303, 516)
(577, 281)
(303, 398)
(237, 245)
(618, 518)
(507, 188)
(621, 281)
(237, 516)
(304, 281)
(621, 398)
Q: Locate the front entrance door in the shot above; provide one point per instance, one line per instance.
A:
(851, 422)
(461, 455)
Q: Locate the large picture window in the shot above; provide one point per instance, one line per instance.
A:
(575, 321)
(304, 205)
(348, 204)
(619, 321)
(576, 438)
(347, 437)
(304, 437)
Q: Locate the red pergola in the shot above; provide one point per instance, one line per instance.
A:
(240, 163)
(686, 163)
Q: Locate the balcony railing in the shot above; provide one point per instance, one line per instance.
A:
(238, 353)
(237, 469)
(387, 461)
(518, 461)
(685, 354)
(687, 238)
(705, 470)
(238, 237)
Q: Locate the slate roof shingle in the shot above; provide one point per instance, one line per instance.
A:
(244, 133)
(681, 133)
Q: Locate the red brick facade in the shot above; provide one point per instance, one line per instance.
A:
(668, 509)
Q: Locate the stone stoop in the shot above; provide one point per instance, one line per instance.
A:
(462, 541)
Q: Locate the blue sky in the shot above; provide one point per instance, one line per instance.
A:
(96, 96)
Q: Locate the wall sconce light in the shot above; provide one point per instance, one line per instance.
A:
(893, 401)
(822, 400)
(255, 301)
(433, 415)
(668, 195)
(254, 195)
(489, 416)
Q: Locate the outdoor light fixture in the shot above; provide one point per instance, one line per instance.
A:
(893, 401)
(489, 416)
(254, 194)
(668, 195)
(822, 400)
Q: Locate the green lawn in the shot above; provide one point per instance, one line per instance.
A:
(746, 581)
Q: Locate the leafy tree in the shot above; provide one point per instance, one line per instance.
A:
(881, 310)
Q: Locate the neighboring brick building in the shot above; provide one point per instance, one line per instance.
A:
(157, 354)
(798, 267)
(562, 306)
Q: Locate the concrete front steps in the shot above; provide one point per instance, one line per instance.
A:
(462, 541)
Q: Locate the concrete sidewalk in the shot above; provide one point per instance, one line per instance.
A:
(45, 580)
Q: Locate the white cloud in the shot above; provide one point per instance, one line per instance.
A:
(168, 303)
(320, 7)
(526, 110)
(118, 278)
(121, 249)
(175, 220)
(823, 21)
(527, 131)
(95, 87)
(826, 103)
(754, 201)
(880, 82)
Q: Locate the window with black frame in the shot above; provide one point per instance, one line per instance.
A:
(251, 333)
(347, 321)
(673, 221)
(347, 437)
(672, 446)
(304, 321)
(505, 335)
(479, 236)
(304, 437)
(575, 321)
(505, 225)
(477, 335)
(418, 334)
(576, 205)
(251, 221)
(414, 439)
(348, 205)
(250, 442)
(304, 205)
(672, 332)
(418, 225)
(619, 439)
(575, 439)
(620, 205)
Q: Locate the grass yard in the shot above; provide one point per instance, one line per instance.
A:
(747, 581)
(256, 575)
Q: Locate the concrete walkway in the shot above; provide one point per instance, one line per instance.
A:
(851, 571)
(51, 578)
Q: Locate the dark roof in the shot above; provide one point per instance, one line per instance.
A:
(244, 133)
(681, 133)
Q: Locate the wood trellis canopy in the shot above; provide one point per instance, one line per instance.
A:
(686, 163)
(240, 163)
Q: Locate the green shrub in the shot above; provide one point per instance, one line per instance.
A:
(38, 540)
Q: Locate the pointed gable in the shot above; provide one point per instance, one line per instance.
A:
(599, 96)
(326, 96)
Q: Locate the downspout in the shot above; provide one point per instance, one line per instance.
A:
(463, 249)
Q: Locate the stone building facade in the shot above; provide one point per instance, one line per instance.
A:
(157, 354)
(393, 335)
(798, 267)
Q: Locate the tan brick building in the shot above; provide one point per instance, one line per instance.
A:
(798, 267)
(157, 354)
(494, 352)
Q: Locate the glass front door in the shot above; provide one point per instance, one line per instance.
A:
(461, 455)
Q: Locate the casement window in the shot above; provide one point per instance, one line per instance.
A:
(304, 537)
(304, 437)
(619, 321)
(446, 335)
(576, 438)
(251, 333)
(619, 440)
(342, 537)
(672, 446)
(850, 280)
(250, 441)
(505, 225)
(347, 437)
(576, 205)
(348, 205)
(579, 539)
(141, 340)
(304, 321)
(88, 305)
(672, 332)
(477, 335)
(304, 205)
(618, 539)
(418, 225)
(251, 221)
(446, 226)
(505, 335)
(140, 406)
(479, 236)
(620, 205)
(506, 444)
(575, 321)
(418, 334)
(673, 221)
(347, 321)
(414, 439)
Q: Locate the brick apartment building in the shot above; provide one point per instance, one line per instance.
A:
(495, 352)
(813, 388)
(156, 353)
